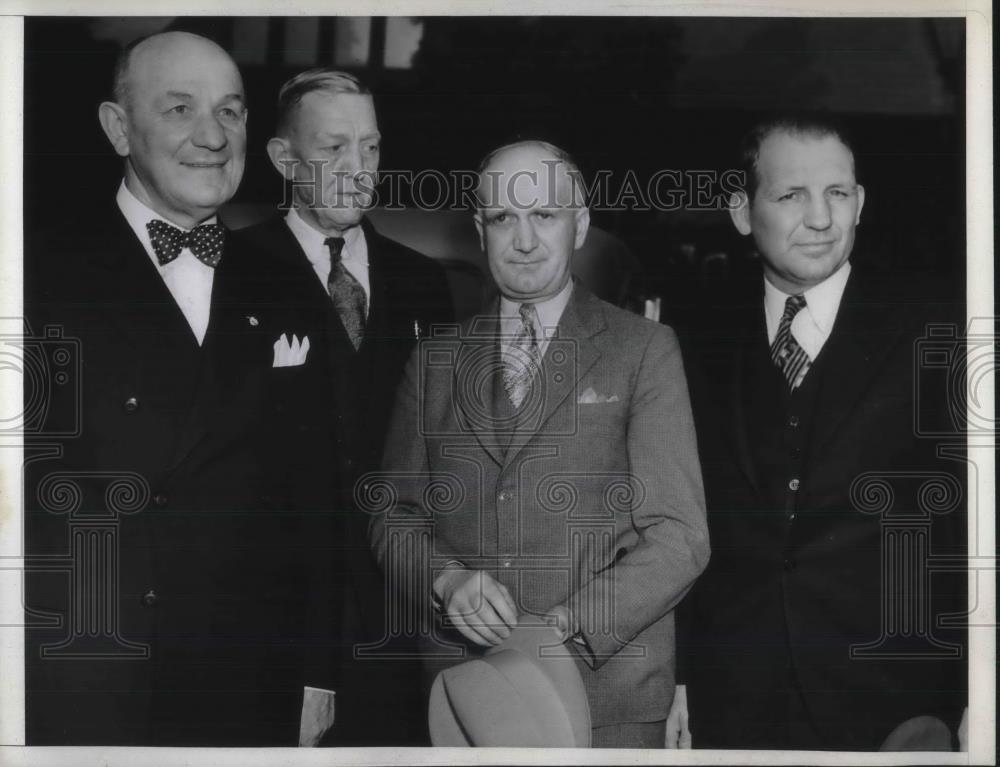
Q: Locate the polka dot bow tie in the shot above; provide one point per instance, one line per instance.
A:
(204, 241)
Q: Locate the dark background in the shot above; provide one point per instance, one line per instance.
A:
(624, 94)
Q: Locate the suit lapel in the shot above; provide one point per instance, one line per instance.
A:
(852, 356)
(753, 342)
(475, 381)
(569, 357)
(381, 300)
(137, 300)
(220, 353)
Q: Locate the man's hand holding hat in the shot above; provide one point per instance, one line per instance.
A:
(478, 606)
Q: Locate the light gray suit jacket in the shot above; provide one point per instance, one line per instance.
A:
(591, 496)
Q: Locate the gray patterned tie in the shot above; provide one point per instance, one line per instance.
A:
(346, 293)
(522, 358)
(790, 358)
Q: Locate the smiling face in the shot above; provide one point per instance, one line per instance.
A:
(529, 223)
(805, 210)
(183, 128)
(335, 135)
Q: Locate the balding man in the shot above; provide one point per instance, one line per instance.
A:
(551, 446)
(183, 621)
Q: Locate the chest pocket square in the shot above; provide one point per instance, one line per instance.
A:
(290, 353)
(591, 397)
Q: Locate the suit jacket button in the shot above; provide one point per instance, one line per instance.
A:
(160, 499)
(793, 485)
(504, 496)
(131, 405)
(789, 565)
(149, 599)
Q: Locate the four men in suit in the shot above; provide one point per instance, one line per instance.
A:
(550, 445)
(802, 633)
(235, 419)
(179, 614)
(369, 299)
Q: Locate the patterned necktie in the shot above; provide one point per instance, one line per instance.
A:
(346, 293)
(204, 241)
(790, 358)
(522, 358)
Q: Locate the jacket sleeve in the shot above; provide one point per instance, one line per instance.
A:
(648, 580)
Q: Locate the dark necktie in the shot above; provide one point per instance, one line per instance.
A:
(346, 293)
(790, 358)
(522, 358)
(204, 241)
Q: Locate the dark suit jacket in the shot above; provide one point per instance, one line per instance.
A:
(596, 501)
(786, 597)
(183, 462)
(378, 703)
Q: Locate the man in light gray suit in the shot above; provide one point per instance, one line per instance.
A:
(549, 448)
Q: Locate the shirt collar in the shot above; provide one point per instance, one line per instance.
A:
(822, 301)
(549, 311)
(138, 214)
(313, 241)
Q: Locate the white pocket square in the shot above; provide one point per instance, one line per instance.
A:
(289, 354)
(591, 397)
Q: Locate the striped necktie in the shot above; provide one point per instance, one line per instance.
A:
(522, 358)
(790, 358)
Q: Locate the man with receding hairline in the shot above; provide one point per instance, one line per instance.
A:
(563, 425)
(193, 367)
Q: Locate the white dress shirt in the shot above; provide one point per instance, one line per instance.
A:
(814, 323)
(547, 316)
(354, 255)
(188, 279)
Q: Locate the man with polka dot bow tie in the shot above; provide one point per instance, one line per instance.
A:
(194, 390)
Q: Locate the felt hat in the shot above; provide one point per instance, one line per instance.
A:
(921, 733)
(526, 691)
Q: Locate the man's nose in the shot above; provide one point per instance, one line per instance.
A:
(818, 213)
(210, 134)
(525, 239)
(351, 162)
(347, 168)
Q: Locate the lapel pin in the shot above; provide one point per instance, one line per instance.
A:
(254, 322)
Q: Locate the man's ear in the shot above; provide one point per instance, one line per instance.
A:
(861, 204)
(739, 212)
(582, 225)
(114, 121)
(478, 218)
(280, 152)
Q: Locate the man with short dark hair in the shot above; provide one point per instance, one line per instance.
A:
(801, 634)
(177, 577)
(549, 446)
(369, 298)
